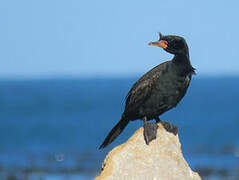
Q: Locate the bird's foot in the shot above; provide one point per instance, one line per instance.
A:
(150, 132)
(170, 127)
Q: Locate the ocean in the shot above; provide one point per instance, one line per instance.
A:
(52, 128)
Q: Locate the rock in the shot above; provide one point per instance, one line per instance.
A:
(162, 159)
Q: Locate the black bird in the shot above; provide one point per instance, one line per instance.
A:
(157, 91)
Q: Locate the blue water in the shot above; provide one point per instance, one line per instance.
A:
(60, 123)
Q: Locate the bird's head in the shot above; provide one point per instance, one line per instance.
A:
(172, 44)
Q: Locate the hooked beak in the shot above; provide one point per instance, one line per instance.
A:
(161, 43)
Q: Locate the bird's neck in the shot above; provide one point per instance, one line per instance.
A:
(182, 56)
(183, 61)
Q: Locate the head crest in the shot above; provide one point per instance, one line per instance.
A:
(160, 35)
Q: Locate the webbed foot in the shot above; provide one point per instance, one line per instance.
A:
(170, 127)
(150, 131)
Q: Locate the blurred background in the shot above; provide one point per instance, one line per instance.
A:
(66, 67)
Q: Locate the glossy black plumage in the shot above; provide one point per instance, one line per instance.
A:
(158, 90)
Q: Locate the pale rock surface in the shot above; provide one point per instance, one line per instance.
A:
(162, 159)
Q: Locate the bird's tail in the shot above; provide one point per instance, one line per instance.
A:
(115, 132)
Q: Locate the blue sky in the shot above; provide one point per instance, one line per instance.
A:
(51, 38)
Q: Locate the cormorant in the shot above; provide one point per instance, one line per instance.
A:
(157, 91)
